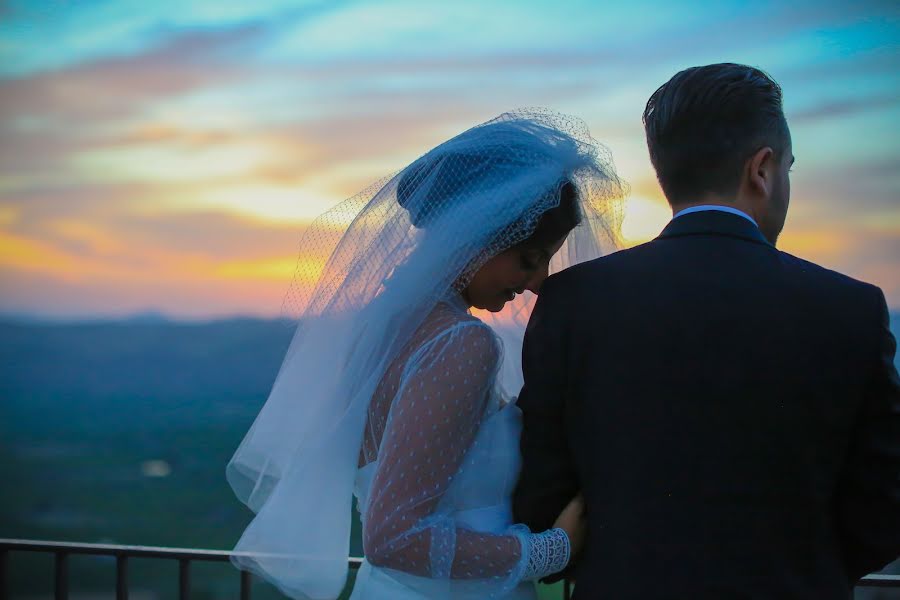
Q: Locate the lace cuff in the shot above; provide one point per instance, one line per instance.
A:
(548, 553)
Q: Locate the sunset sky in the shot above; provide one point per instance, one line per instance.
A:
(165, 156)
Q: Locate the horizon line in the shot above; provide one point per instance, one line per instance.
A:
(151, 317)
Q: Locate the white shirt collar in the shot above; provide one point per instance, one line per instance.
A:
(717, 207)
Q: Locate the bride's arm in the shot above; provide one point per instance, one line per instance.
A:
(432, 424)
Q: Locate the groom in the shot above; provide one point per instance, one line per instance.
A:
(730, 412)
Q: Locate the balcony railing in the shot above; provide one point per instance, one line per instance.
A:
(185, 557)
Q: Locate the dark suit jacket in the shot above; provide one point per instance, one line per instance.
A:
(731, 412)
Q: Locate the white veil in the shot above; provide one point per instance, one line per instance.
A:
(390, 254)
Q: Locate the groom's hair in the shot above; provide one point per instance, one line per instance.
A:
(705, 122)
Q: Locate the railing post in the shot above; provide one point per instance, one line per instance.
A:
(62, 576)
(4, 581)
(122, 577)
(245, 585)
(184, 578)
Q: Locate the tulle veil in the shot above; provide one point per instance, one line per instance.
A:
(369, 272)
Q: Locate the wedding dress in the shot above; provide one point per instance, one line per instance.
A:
(441, 461)
(392, 391)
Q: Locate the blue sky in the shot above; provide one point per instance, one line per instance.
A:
(166, 155)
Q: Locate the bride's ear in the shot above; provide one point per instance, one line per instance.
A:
(759, 171)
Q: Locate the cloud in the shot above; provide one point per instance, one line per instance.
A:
(84, 217)
(845, 107)
(844, 192)
(864, 252)
(181, 165)
(86, 32)
(34, 293)
(186, 264)
(123, 86)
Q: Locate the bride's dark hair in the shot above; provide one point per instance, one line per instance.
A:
(462, 174)
(559, 220)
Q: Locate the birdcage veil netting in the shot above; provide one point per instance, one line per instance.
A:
(369, 272)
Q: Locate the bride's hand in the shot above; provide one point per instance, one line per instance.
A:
(573, 521)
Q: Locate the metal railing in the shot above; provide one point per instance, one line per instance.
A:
(185, 556)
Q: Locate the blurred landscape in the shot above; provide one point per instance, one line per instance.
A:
(119, 432)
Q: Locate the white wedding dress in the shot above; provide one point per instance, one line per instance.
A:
(435, 494)
(390, 388)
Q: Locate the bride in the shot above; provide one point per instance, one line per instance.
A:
(394, 392)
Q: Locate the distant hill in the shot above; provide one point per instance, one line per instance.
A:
(141, 373)
(120, 431)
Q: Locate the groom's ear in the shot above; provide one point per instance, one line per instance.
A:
(760, 174)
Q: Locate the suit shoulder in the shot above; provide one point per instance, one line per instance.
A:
(835, 296)
(827, 277)
(605, 265)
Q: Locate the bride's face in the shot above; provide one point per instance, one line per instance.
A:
(522, 267)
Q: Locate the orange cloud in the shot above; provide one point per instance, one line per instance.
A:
(91, 236)
(825, 245)
(35, 256)
(92, 260)
(645, 218)
(159, 132)
(273, 269)
(8, 215)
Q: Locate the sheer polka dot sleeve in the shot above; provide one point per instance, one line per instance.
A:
(433, 422)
